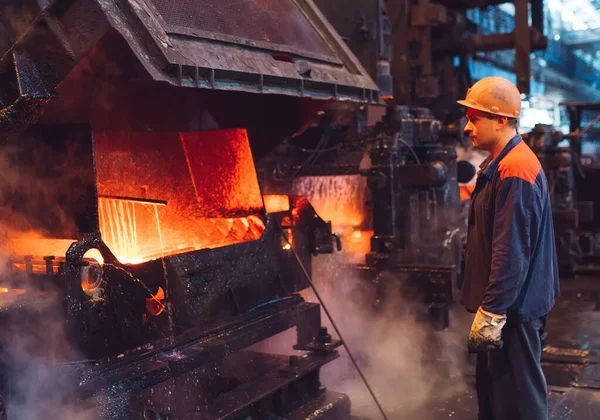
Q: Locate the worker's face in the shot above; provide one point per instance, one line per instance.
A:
(483, 129)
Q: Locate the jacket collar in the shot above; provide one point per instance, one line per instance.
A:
(489, 167)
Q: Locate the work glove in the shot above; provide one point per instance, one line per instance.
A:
(486, 332)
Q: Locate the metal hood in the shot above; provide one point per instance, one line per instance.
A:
(279, 47)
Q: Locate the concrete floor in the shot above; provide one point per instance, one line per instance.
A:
(571, 359)
(572, 356)
(571, 362)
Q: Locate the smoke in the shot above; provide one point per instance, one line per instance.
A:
(37, 375)
(37, 356)
(41, 188)
(408, 365)
(40, 386)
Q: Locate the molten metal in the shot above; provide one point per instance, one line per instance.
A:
(206, 178)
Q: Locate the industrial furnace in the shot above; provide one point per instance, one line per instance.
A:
(132, 217)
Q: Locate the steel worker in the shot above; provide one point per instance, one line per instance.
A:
(511, 271)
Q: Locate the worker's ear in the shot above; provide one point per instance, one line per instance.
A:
(502, 122)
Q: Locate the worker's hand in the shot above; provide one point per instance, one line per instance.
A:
(486, 332)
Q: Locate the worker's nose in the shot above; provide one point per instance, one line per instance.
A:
(468, 127)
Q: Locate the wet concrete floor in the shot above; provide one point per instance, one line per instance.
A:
(571, 362)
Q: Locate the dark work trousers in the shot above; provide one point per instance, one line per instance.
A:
(510, 381)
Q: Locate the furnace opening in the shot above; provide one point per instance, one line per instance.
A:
(168, 193)
(149, 194)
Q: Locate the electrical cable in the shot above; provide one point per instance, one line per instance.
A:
(411, 150)
(331, 149)
(309, 161)
(336, 329)
(368, 137)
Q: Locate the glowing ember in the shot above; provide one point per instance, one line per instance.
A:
(339, 199)
(357, 243)
(37, 246)
(155, 305)
(276, 203)
(4, 290)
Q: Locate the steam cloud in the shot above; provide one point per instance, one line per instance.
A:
(35, 349)
(34, 346)
(408, 365)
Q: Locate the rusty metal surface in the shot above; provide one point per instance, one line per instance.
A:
(46, 49)
(565, 355)
(217, 66)
(237, 64)
(278, 22)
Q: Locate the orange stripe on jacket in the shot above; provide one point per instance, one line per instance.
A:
(466, 191)
(520, 162)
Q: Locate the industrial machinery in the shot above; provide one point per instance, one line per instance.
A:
(561, 164)
(406, 152)
(583, 118)
(412, 215)
(139, 255)
(572, 181)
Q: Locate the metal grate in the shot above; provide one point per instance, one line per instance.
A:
(278, 22)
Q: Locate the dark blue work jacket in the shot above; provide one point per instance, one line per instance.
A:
(511, 265)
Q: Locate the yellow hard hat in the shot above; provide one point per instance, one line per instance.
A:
(495, 95)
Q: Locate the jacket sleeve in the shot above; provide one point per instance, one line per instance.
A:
(511, 243)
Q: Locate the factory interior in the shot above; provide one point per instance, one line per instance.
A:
(317, 272)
